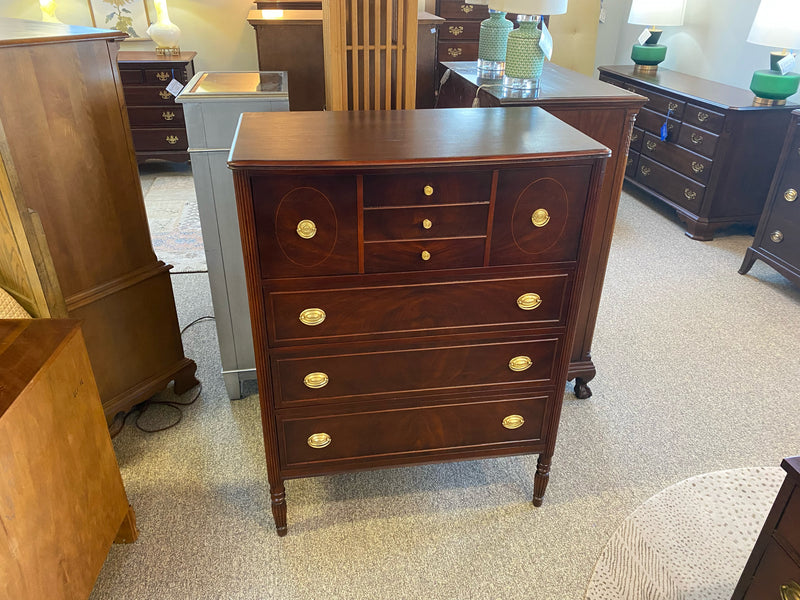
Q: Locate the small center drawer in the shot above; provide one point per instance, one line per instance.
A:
(676, 187)
(425, 222)
(454, 50)
(424, 255)
(155, 139)
(164, 75)
(652, 122)
(325, 378)
(693, 165)
(414, 431)
(165, 116)
(698, 140)
(418, 189)
(518, 302)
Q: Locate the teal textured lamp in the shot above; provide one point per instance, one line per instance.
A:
(524, 56)
(493, 41)
(650, 53)
(777, 24)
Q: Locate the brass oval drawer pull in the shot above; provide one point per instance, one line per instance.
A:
(790, 591)
(698, 167)
(167, 115)
(427, 224)
(315, 380)
(513, 422)
(540, 217)
(164, 94)
(455, 30)
(162, 75)
(428, 190)
(701, 116)
(529, 301)
(319, 440)
(645, 170)
(520, 363)
(690, 194)
(672, 106)
(790, 195)
(312, 316)
(426, 255)
(306, 229)
(696, 138)
(172, 139)
(776, 236)
(651, 145)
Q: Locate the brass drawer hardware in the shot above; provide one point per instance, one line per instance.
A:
(172, 139)
(520, 363)
(690, 194)
(513, 422)
(701, 116)
(455, 30)
(776, 236)
(529, 301)
(306, 229)
(467, 8)
(427, 224)
(315, 380)
(672, 106)
(312, 316)
(696, 138)
(629, 162)
(162, 75)
(651, 145)
(540, 217)
(164, 94)
(319, 440)
(645, 170)
(454, 52)
(167, 115)
(426, 255)
(790, 195)
(697, 167)
(428, 190)
(634, 136)
(790, 591)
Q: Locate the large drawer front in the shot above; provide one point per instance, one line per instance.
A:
(688, 163)
(157, 139)
(419, 369)
(698, 140)
(156, 116)
(409, 431)
(460, 30)
(454, 50)
(147, 96)
(665, 181)
(427, 187)
(429, 307)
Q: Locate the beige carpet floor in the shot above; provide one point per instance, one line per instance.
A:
(697, 372)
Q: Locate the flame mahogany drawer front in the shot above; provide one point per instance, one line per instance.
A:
(363, 434)
(413, 284)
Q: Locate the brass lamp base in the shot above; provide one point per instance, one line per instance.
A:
(168, 51)
(645, 69)
(758, 101)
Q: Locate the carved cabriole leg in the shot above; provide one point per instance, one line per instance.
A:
(582, 391)
(749, 260)
(541, 478)
(278, 495)
(127, 532)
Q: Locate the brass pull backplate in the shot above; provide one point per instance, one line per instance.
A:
(426, 255)
(672, 106)
(701, 116)
(428, 190)
(697, 167)
(520, 363)
(427, 224)
(645, 170)
(651, 145)
(529, 301)
(319, 440)
(455, 30)
(306, 229)
(467, 8)
(696, 139)
(776, 236)
(164, 94)
(312, 316)
(454, 52)
(634, 136)
(167, 115)
(790, 195)
(315, 380)
(790, 591)
(513, 422)
(690, 194)
(162, 75)
(172, 139)
(540, 217)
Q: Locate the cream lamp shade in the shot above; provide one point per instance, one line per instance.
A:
(777, 24)
(530, 7)
(657, 12)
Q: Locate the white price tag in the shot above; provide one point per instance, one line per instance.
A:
(174, 87)
(644, 36)
(546, 42)
(786, 64)
(603, 15)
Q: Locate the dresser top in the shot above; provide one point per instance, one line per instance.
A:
(702, 90)
(383, 138)
(18, 32)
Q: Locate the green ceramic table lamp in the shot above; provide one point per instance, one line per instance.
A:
(777, 24)
(524, 55)
(663, 13)
(493, 41)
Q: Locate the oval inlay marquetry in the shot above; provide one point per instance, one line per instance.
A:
(547, 194)
(306, 203)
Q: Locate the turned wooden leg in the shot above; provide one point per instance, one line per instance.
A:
(749, 260)
(582, 391)
(278, 495)
(127, 532)
(185, 379)
(541, 478)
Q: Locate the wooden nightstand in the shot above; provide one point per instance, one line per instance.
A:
(156, 120)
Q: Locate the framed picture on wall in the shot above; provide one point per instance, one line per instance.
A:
(130, 16)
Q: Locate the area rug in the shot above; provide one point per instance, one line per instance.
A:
(689, 541)
(171, 207)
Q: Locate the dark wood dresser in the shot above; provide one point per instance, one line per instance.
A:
(603, 112)
(413, 293)
(156, 119)
(458, 36)
(717, 161)
(777, 239)
(773, 569)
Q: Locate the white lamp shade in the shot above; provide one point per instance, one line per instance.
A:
(657, 12)
(777, 24)
(478, 2)
(530, 7)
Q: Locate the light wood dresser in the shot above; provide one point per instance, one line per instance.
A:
(413, 279)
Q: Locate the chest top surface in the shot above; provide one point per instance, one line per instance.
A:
(357, 138)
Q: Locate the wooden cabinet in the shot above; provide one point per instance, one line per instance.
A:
(74, 234)
(773, 569)
(413, 294)
(458, 36)
(156, 119)
(777, 239)
(716, 162)
(61, 495)
(603, 112)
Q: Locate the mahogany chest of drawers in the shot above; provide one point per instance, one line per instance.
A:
(156, 119)
(413, 293)
(777, 239)
(459, 35)
(716, 163)
(773, 569)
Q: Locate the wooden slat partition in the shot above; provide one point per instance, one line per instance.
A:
(370, 54)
